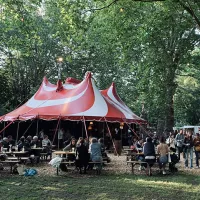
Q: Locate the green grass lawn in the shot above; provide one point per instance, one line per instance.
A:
(179, 187)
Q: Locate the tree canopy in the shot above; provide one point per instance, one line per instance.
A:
(149, 48)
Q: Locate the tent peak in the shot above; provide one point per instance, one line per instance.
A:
(88, 74)
(113, 84)
(59, 86)
(72, 80)
(45, 80)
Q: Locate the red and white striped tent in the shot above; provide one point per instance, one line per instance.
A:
(74, 100)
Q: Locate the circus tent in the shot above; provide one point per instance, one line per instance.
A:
(74, 100)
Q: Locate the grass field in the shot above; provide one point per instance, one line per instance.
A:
(180, 187)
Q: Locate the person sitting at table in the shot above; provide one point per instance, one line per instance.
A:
(103, 150)
(82, 156)
(11, 141)
(163, 150)
(21, 143)
(46, 144)
(5, 143)
(29, 139)
(46, 141)
(139, 148)
(71, 147)
(149, 155)
(35, 142)
(87, 142)
(78, 142)
(95, 154)
(139, 145)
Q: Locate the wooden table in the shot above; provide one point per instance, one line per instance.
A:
(64, 152)
(128, 149)
(17, 153)
(37, 148)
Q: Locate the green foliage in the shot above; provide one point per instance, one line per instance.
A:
(145, 48)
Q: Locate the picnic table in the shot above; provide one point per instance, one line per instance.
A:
(11, 163)
(64, 153)
(17, 153)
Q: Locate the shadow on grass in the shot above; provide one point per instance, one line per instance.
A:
(180, 186)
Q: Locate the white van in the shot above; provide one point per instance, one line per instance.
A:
(194, 129)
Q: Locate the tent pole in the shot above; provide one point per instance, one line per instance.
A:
(56, 129)
(111, 136)
(37, 125)
(144, 129)
(131, 129)
(58, 139)
(103, 133)
(4, 130)
(82, 129)
(85, 127)
(6, 127)
(27, 128)
(17, 133)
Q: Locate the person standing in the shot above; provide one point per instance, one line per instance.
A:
(41, 135)
(188, 149)
(163, 154)
(170, 141)
(117, 142)
(60, 138)
(179, 142)
(197, 148)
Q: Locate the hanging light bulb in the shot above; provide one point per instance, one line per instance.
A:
(91, 123)
(121, 127)
(121, 10)
(89, 127)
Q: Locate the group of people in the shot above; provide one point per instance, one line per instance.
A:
(152, 152)
(26, 144)
(86, 150)
(186, 143)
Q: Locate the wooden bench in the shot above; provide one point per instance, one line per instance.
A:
(94, 163)
(11, 163)
(22, 159)
(65, 162)
(134, 162)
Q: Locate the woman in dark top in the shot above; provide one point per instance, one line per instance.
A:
(149, 155)
(82, 156)
(71, 147)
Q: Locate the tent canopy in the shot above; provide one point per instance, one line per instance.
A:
(74, 100)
